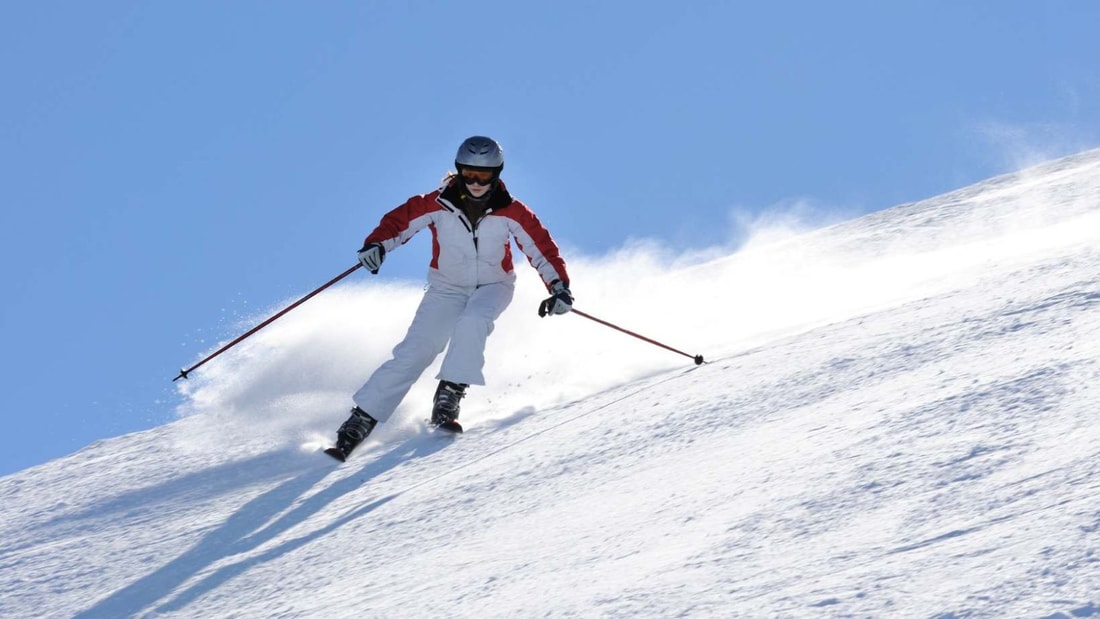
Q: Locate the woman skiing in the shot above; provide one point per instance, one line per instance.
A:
(473, 220)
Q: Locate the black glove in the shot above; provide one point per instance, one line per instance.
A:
(371, 257)
(561, 301)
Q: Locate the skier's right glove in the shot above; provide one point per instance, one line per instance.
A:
(560, 303)
(371, 257)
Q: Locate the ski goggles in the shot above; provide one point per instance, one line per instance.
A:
(478, 177)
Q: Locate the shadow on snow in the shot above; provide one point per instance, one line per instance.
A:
(245, 531)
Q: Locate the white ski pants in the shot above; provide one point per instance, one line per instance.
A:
(463, 317)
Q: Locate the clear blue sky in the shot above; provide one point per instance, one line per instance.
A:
(169, 168)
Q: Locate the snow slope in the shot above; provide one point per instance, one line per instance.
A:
(898, 420)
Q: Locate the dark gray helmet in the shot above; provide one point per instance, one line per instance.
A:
(480, 152)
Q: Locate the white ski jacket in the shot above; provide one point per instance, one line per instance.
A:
(471, 246)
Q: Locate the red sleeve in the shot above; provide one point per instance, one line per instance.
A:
(400, 224)
(535, 241)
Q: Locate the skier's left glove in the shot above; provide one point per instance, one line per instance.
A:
(371, 257)
(561, 301)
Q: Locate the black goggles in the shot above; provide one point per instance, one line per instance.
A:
(477, 177)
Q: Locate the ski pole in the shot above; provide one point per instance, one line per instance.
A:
(184, 373)
(697, 358)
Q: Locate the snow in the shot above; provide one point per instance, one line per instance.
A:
(898, 419)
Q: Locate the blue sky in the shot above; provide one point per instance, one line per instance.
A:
(171, 171)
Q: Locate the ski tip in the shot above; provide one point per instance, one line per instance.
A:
(337, 453)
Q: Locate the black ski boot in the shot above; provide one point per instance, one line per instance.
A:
(446, 405)
(351, 433)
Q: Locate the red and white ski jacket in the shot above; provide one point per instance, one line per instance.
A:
(469, 253)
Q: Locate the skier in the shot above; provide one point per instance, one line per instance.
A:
(473, 218)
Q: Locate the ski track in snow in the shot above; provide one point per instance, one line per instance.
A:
(935, 454)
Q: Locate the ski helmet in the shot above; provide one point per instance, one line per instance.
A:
(480, 152)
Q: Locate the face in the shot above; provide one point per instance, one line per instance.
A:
(477, 190)
(477, 182)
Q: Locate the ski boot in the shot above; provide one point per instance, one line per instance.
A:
(446, 405)
(357, 428)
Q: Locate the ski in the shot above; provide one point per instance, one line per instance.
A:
(337, 453)
(447, 427)
(452, 427)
